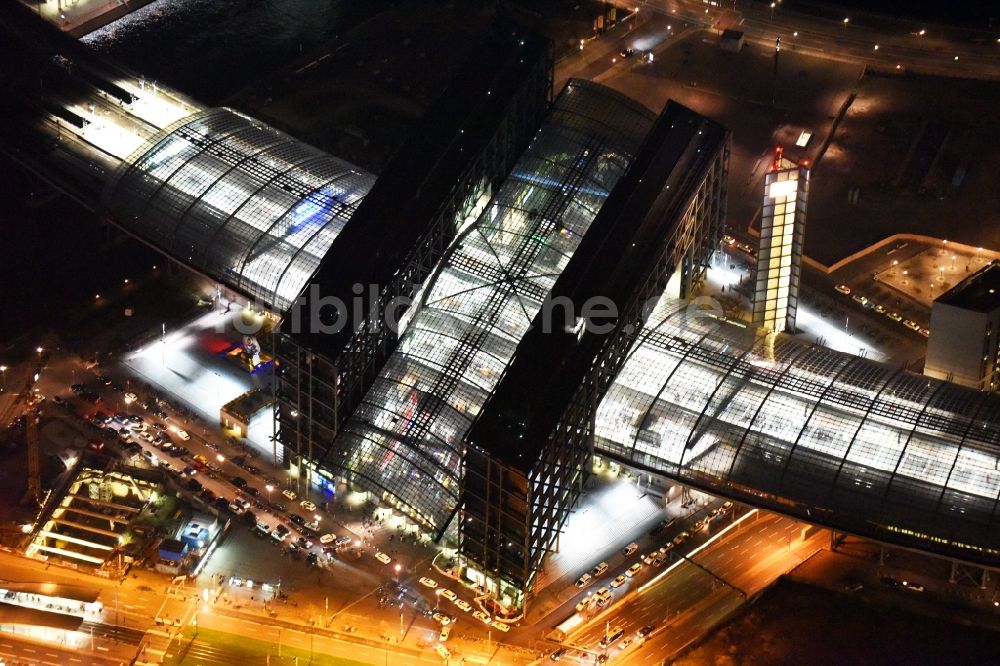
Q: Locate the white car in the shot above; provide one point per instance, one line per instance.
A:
(307, 505)
(463, 605)
(584, 580)
(619, 581)
(442, 619)
(448, 594)
(442, 651)
(583, 603)
(633, 570)
(382, 557)
(327, 538)
(629, 549)
(289, 494)
(428, 582)
(482, 617)
(445, 632)
(131, 397)
(183, 435)
(500, 626)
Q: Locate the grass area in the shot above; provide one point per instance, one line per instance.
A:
(230, 648)
(800, 624)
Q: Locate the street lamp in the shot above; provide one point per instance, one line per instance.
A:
(773, 5)
(3, 371)
(221, 458)
(847, 20)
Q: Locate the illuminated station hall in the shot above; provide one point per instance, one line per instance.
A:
(460, 379)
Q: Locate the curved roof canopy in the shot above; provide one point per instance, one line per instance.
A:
(238, 200)
(834, 438)
(407, 436)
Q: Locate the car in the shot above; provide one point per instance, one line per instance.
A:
(445, 632)
(926, 332)
(916, 587)
(727, 506)
(342, 542)
(558, 654)
(441, 619)
(844, 289)
(183, 435)
(861, 299)
(611, 637)
(446, 593)
(239, 460)
(253, 492)
(463, 605)
(442, 651)
(327, 538)
(681, 538)
(307, 505)
(881, 309)
(238, 481)
(304, 543)
(282, 528)
(159, 413)
(312, 559)
(669, 546)
(201, 458)
(625, 643)
(131, 397)
(599, 569)
(482, 617)
(659, 560)
(104, 381)
(193, 485)
(279, 507)
(629, 549)
(583, 603)
(889, 581)
(602, 658)
(634, 569)
(289, 494)
(627, 53)
(253, 470)
(500, 626)
(697, 527)
(382, 557)
(912, 325)
(279, 536)
(189, 471)
(895, 316)
(428, 582)
(651, 557)
(584, 580)
(619, 581)
(662, 526)
(645, 631)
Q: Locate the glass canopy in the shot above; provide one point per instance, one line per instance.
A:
(840, 439)
(407, 436)
(238, 200)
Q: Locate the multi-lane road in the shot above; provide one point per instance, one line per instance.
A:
(690, 597)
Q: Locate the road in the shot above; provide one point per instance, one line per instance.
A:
(685, 603)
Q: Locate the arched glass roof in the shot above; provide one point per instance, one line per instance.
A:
(838, 439)
(238, 200)
(407, 436)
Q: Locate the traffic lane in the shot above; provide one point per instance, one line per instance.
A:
(688, 582)
(15, 651)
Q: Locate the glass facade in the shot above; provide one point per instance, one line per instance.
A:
(238, 200)
(782, 234)
(838, 439)
(406, 439)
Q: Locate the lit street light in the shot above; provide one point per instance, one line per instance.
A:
(847, 20)
(3, 371)
(221, 458)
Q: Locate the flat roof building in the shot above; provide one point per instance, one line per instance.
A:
(964, 344)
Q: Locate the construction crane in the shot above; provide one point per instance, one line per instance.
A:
(34, 462)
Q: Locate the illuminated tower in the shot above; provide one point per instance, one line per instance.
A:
(782, 233)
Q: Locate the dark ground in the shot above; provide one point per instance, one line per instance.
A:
(797, 624)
